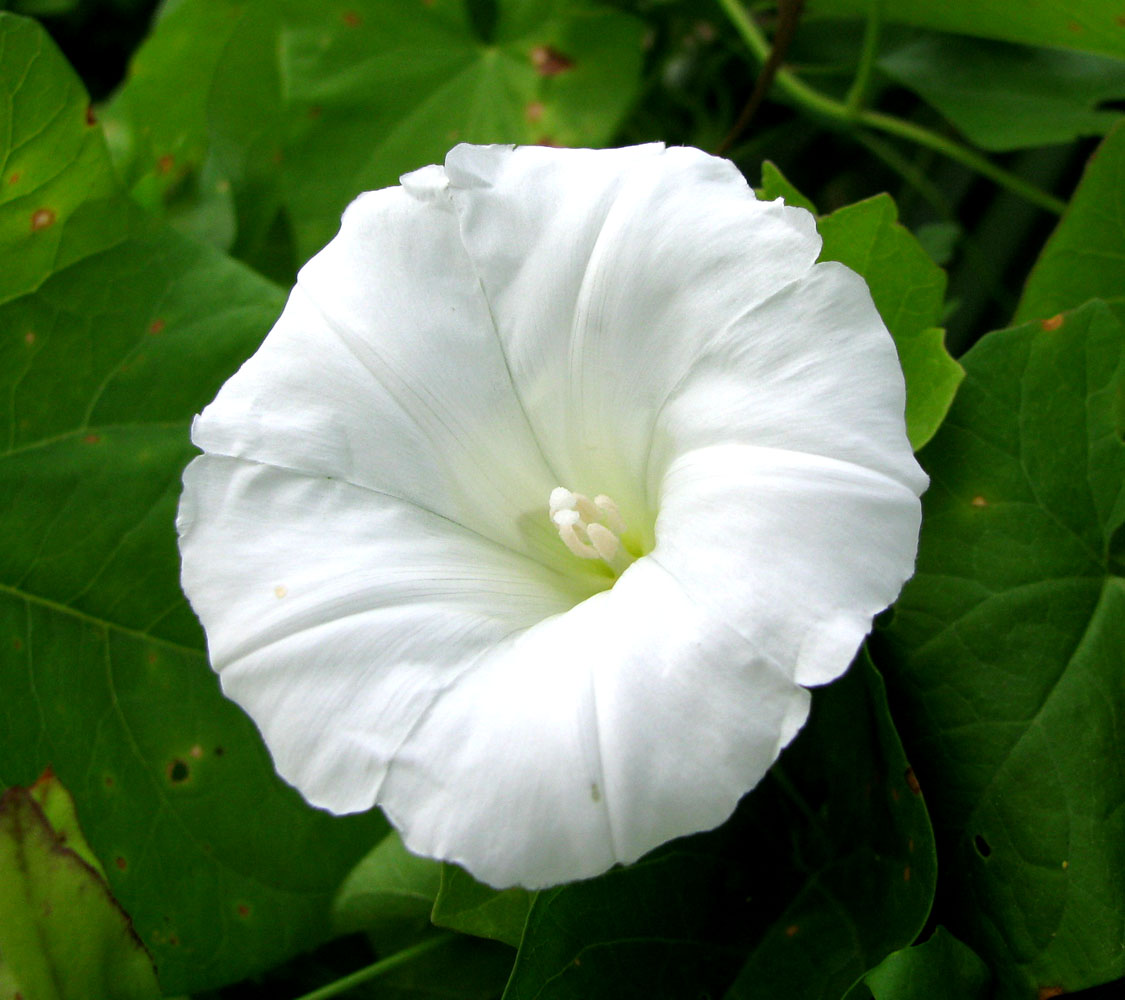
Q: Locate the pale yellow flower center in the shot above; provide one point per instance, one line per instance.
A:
(591, 529)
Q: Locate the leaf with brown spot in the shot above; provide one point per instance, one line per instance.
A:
(394, 86)
(109, 681)
(912, 781)
(58, 809)
(62, 934)
(61, 165)
(41, 218)
(549, 61)
(1004, 655)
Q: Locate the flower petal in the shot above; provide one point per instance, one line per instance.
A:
(334, 614)
(607, 272)
(795, 552)
(812, 368)
(402, 659)
(385, 370)
(591, 738)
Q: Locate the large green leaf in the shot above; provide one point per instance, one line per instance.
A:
(908, 289)
(1090, 25)
(1004, 97)
(305, 105)
(62, 935)
(825, 868)
(1005, 654)
(942, 968)
(113, 333)
(1085, 256)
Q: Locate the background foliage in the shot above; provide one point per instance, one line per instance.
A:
(949, 823)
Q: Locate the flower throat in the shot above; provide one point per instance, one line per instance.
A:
(591, 529)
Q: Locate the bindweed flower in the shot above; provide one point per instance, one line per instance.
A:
(561, 476)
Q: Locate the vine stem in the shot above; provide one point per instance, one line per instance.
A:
(838, 111)
(857, 93)
(334, 989)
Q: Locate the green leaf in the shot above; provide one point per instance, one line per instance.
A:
(157, 127)
(1003, 96)
(464, 905)
(53, 158)
(824, 869)
(62, 935)
(1088, 25)
(1085, 256)
(460, 969)
(939, 240)
(908, 289)
(388, 895)
(1005, 653)
(55, 801)
(776, 185)
(304, 106)
(111, 338)
(940, 969)
(41, 8)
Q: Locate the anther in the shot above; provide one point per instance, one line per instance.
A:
(561, 499)
(591, 529)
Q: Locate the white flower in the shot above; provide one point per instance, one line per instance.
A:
(561, 474)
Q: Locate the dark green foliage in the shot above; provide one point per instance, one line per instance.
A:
(146, 244)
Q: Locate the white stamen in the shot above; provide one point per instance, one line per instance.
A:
(591, 529)
(610, 515)
(584, 550)
(586, 508)
(604, 540)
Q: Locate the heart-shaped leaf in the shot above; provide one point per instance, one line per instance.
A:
(1005, 653)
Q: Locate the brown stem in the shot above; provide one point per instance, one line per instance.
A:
(788, 16)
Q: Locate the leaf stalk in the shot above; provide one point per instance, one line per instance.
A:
(376, 969)
(840, 113)
(857, 93)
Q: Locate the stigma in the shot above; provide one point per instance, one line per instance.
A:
(591, 529)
